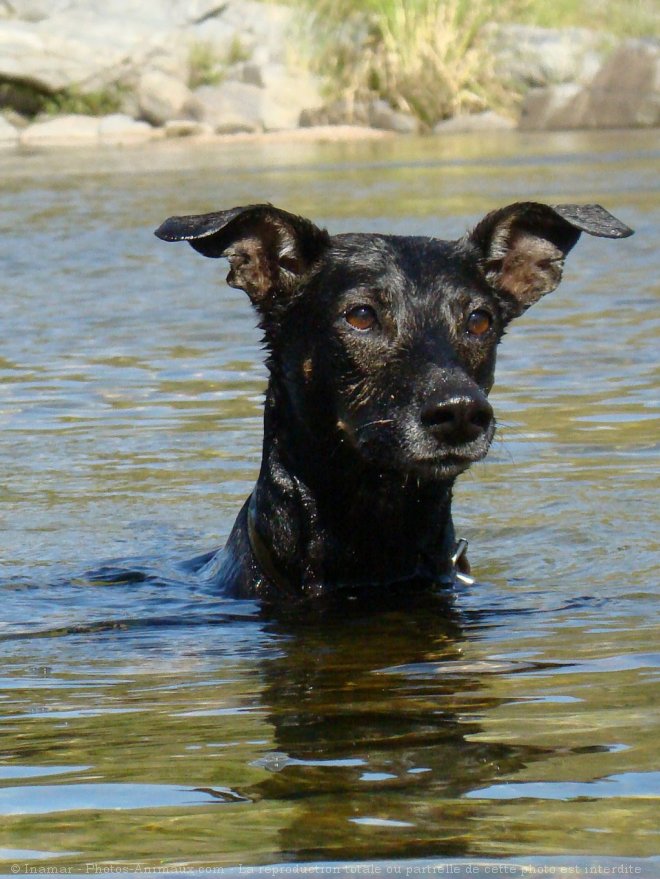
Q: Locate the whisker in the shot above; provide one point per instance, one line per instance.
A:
(372, 423)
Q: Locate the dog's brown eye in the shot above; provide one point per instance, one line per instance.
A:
(479, 322)
(361, 317)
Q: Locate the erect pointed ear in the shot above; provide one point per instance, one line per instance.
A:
(522, 247)
(268, 249)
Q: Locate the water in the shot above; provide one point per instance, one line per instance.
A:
(147, 720)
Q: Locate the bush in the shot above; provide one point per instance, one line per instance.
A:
(422, 56)
(426, 57)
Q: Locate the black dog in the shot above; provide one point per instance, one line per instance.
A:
(381, 352)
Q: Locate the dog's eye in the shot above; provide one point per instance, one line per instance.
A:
(361, 317)
(479, 322)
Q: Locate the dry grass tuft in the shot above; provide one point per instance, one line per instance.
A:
(421, 56)
(426, 56)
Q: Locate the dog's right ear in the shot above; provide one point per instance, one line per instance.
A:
(269, 250)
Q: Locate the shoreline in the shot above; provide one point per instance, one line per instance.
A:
(222, 155)
(312, 135)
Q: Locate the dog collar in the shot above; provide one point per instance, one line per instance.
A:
(264, 557)
(261, 552)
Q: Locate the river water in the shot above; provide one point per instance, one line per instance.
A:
(147, 721)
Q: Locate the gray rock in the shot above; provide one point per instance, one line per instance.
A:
(120, 129)
(381, 115)
(249, 72)
(33, 10)
(486, 121)
(62, 53)
(8, 133)
(286, 94)
(62, 131)
(88, 45)
(162, 97)
(16, 119)
(231, 107)
(625, 93)
(530, 56)
(341, 112)
(261, 25)
(91, 46)
(187, 128)
(551, 108)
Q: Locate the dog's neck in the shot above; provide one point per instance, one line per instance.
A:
(321, 518)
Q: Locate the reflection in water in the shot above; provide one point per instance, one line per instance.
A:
(373, 737)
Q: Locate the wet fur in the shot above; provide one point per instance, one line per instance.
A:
(365, 431)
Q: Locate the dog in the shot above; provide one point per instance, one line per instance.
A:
(381, 354)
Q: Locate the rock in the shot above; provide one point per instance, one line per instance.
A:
(625, 93)
(34, 10)
(231, 107)
(187, 128)
(161, 97)
(375, 113)
(555, 107)
(62, 131)
(87, 56)
(275, 98)
(381, 115)
(340, 112)
(15, 119)
(530, 56)
(249, 72)
(120, 129)
(286, 94)
(88, 46)
(486, 121)
(8, 133)
(261, 26)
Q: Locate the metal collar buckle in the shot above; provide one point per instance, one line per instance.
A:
(461, 564)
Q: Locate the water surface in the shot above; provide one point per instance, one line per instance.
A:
(146, 719)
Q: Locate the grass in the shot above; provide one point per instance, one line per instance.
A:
(421, 56)
(100, 103)
(31, 101)
(426, 57)
(207, 67)
(623, 18)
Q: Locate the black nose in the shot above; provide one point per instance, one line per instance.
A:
(459, 419)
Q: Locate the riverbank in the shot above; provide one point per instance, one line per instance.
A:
(74, 72)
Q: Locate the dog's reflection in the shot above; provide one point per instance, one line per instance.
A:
(377, 735)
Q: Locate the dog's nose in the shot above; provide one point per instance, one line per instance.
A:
(458, 419)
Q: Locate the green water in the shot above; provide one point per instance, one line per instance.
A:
(146, 720)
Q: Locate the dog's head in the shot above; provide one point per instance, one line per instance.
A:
(387, 344)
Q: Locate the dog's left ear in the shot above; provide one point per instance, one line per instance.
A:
(522, 247)
(268, 249)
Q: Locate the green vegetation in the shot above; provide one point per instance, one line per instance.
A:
(30, 101)
(623, 18)
(427, 57)
(207, 67)
(100, 103)
(204, 67)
